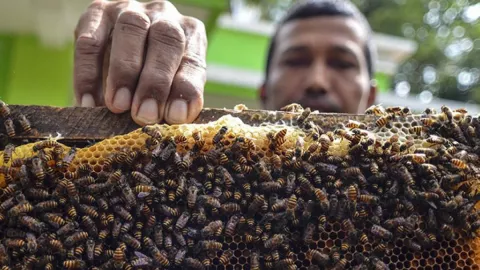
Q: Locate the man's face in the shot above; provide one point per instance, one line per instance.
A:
(320, 63)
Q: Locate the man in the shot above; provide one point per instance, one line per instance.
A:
(321, 57)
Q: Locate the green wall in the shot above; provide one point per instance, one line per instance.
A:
(238, 49)
(35, 74)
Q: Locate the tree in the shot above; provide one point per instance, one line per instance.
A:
(447, 62)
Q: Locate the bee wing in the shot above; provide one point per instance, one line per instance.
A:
(140, 255)
(143, 194)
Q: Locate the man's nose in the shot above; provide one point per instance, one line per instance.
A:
(318, 81)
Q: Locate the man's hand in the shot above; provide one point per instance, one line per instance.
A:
(153, 55)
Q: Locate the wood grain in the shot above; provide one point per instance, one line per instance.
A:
(77, 123)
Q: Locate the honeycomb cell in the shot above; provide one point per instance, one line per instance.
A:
(461, 263)
(466, 248)
(233, 246)
(415, 263)
(469, 261)
(242, 260)
(408, 256)
(237, 253)
(423, 262)
(329, 243)
(320, 244)
(450, 251)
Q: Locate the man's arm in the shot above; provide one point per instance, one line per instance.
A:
(155, 60)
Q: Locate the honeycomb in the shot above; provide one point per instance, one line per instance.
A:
(397, 192)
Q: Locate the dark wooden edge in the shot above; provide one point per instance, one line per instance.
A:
(77, 123)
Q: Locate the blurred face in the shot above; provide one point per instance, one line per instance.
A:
(320, 63)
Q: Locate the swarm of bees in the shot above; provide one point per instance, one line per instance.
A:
(228, 201)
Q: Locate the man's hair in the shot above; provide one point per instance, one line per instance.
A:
(316, 8)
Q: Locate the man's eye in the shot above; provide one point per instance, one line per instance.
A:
(296, 62)
(341, 64)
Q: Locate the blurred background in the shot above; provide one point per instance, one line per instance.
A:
(428, 50)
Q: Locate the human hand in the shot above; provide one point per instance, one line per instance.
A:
(143, 57)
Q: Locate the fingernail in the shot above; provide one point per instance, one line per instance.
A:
(87, 101)
(148, 111)
(122, 99)
(177, 114)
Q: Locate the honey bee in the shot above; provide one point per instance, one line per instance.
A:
(409, 243)
(25, 123)
(285, 264)
(218, 137)
(7, 153)
(225, 258)
(74, 264)
(340, 264)
(193, 263)
(381, 232)
(88, 210)
(303, 116)
(32, 245)
(377, 110)
(416, 130)
(54, 220)
(352, 193)
(308, 233)
(210, 245)
(44, 206)
(383, 120)
(355, 124)
(131, 241)
(401, 111)
(433, 139)
(211, 228)
(459, 164)
(37, 168)
(428, 122)
(4, 110)
(378, 264)
(447, 112)
(22, 208)
(9, 127)
(7, 204)
(231, 225)
(293, 107)
(68, 158)
(141, 261)
(275, 241)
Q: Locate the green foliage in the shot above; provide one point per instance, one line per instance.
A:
(447, 62)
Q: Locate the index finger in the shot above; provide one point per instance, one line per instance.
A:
(91, 36)
(186, 96)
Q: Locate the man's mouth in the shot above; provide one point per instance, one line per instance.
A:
(322, 105)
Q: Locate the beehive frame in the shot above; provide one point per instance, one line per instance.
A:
(456, 253)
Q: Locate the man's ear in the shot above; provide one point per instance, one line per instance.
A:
(373, 93)
(262, 92)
